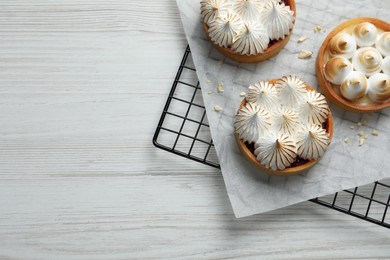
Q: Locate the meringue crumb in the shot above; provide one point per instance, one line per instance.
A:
(359, 124)
(219, 88)
(374, 132)
(317, 29)
(352, 127)
(302, 38)
(360, 133)
(364, 122)
(304, 54)
(208, 81)
(346, 140)
(361, 141)
(218, 108)
(209, 92)
(242, 94)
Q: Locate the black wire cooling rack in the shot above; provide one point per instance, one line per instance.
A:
(183, 129)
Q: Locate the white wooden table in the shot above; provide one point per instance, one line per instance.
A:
(82, 85)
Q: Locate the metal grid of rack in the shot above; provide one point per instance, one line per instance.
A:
(183, 129)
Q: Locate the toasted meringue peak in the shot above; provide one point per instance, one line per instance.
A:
(365, 34)
(278, 19)
(210, 9)
(225, 28)
(386, 65)
(249, 10)
(367, 60)
(291, 90)
(354, 86)
(379, 88)
(252, 40)
(382, 43)
(276, 151)
(314, 109)
(342, 44)
(251, 122)
(337, 69)
(286, 121)
(312, 142)
(262, 94)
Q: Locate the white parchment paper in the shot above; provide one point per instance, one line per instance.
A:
(343, 166)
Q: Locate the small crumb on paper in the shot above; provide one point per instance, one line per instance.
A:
(359, 124)
(352, 127)
(304, 54)
(209, 92)
(208, 81)
(364, 122)
(302, 38)
(374, 132)
(317, 29)
(218, 108)
(360, 133)
(242, 94)
(220, 88)
(346, 140)
(361, 141)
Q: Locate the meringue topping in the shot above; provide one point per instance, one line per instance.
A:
(262, 94)
(286, 121)
(314, 109)
(312, 142)
(386, 65)
(224, 29)
(342, 44)
(382, 43)
(379, 88)
(278, 19)
(354, 86)
(367, 60)
(210, 9)
(337, 69)
(365, 34)
(251, 122)
(249, 10)
(252, 40)
(291, 90)
(276, 151)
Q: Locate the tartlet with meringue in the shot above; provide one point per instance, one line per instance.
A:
(248, 31)
(353, 65)
(283, 126)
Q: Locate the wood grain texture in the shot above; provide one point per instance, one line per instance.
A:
(82, 85)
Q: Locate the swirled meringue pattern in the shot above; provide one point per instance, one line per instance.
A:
(276, 151)
(367, 60)
(246, 26)
(252, 40)
(379, 88)
(342, 44)
(354, 86)
(312, 142)
(291, 90)
(249, 10)
(365, 34)
(278, 19)
(337, 69)
(224, 29)
(267, 122)
(382, 43)
(251, 122)
(209, 9)
(314, 109)
(262, 94)
(286, 121)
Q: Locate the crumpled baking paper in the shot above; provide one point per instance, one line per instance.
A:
(344, 166)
